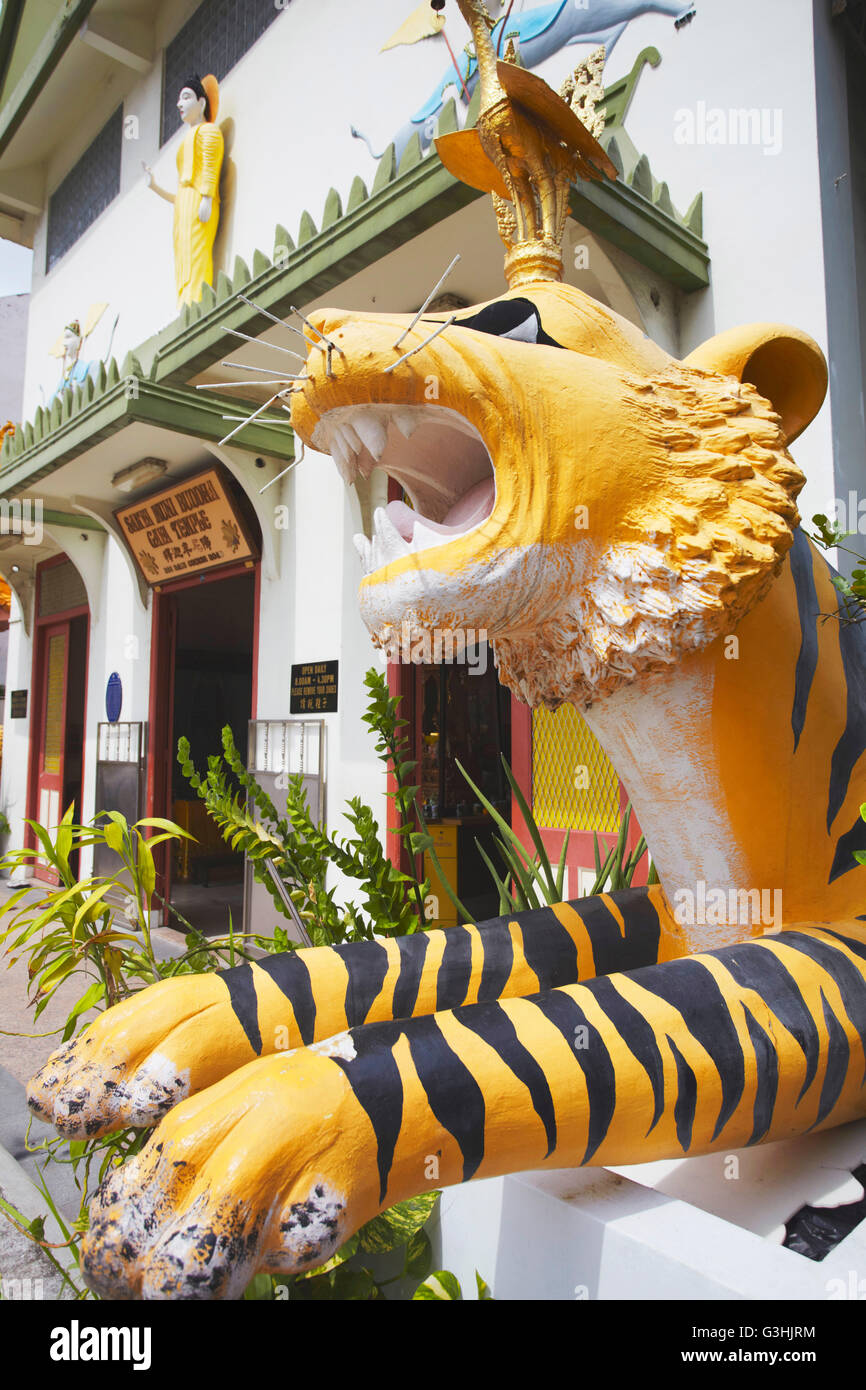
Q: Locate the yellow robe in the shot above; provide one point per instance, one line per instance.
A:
(199, 161)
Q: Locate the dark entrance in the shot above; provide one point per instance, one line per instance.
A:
(463, 714)
(205, 679)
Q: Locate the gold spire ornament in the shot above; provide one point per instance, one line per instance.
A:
(526, 149)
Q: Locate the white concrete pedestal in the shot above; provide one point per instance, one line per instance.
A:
(705, 1228)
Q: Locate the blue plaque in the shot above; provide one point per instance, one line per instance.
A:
(113, 698)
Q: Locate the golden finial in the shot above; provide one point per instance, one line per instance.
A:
(526, 149)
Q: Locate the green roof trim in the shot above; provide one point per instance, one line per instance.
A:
(35, 451)
(45, 59)
(78, 520)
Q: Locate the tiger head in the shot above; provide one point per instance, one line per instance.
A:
(593, 506)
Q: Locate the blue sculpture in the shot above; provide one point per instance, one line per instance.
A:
(540, 32)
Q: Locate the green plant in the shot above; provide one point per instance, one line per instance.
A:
(444, 1287)
(529, 879)
(828, 535)
(78, 927)
(302, 851)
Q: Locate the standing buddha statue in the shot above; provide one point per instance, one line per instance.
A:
(196, 203)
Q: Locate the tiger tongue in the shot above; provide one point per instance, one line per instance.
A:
(468, 511)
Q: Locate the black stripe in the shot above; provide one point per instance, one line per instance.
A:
(808, 609)
(759, 968)
(852, 648)
(688, 986)
(767, 1063)
(843, 859)
(242, 993)
(549, 949)
(611, 950)
(491, 1023)
(687, 1097)
(594, 1061)
(375, 1079)
(838, 1059)
(642, 929)
(857, 947)
(605, 934)
(638, 1037)
(455, 968)
(498, 949)
(453, 1093)
(290, 975)
(413, 950)
(843, 972)
(366, 964)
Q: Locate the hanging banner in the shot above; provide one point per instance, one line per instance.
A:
(194, 525)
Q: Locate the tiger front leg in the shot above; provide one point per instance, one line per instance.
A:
(175, 1038)
(277, 1166)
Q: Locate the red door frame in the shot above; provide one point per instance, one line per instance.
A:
(160, 760)
(38, 685)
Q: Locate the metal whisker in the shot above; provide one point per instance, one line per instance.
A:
(248, 366)
(286, 470)
(236, 333)
(432, 295)
(324, 337)
(275, 381)
(281, 323)
(412, 351)
(247, 419)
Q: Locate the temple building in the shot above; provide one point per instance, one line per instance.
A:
(175, 566)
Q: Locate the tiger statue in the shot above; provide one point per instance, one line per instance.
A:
(685, 619)
(624, 528)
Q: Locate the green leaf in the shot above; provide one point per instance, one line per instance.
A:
(260, 1289)
(484, 1293)
(146, 868)
(396, 1226)
(113, 836)
(442, 1286)
(419, 1255)
(87, 1001)
(354, 1285)
(161, 824)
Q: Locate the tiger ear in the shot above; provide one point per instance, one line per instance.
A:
(785, 365)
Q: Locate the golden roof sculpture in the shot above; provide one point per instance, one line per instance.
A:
(527, 148)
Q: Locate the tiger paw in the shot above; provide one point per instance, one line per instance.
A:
(140, 1058)
(262, 1172)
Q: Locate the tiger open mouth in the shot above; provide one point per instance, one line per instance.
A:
(438, 458)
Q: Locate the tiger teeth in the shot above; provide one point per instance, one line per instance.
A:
(372, 432)
(364, 548)
(407, 422)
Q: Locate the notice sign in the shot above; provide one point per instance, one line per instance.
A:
(194, 525)
(18, 704)
(314, 688)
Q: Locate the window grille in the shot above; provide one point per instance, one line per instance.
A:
(215, 38)
(60, 587)
(87, 190)
(574, 783)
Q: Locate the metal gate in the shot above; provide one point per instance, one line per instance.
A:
(120, 771)
(280, 749)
